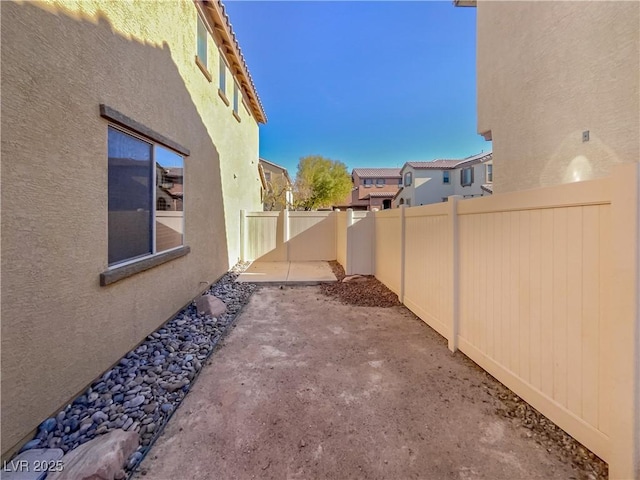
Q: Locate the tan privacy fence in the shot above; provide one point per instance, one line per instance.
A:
(539, 288)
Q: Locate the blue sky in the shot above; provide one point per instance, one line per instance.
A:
(372, 84)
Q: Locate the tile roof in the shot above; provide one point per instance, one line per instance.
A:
(380, 195)
(448, 164)
(377, 172)
(487, 187)
(232, 52)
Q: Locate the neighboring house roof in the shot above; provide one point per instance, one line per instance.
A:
(487, 187)
(376, 172)
(231, 50)
(450, 164)
(277, 167)
(380, 195)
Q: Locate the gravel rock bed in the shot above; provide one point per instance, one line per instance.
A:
(366, 292)
(141, 392)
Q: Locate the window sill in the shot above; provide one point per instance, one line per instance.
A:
(236, 116)
(203, 69)
(120, 273)
(223, 97)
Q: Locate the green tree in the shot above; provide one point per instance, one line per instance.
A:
(320, 182)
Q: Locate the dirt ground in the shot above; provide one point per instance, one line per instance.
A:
(306, 387)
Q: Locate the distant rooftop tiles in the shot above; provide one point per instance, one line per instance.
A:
(447, 164)
(377, 172)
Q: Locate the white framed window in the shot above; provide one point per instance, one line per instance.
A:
(466, 176)
(380, 182)
(368, 182)
(145, 197)
(445, 177)
(408, 178)
(490, 173)
(400, 182)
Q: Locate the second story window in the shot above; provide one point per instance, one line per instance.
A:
(202, 42)
(466, 177)
(408, 177)
(368, 182)
(379, 182)
(445, 177)
(236, 97)
(490, 173)
(400, 182)
(222, 74)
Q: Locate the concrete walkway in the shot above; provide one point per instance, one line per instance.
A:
(307, 273)
(307, 388)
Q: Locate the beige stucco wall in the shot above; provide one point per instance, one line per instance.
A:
(547, 71)
(60, 329)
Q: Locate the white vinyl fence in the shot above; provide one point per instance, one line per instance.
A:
(539, 288)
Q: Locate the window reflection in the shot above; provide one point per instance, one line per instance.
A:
(169, 199)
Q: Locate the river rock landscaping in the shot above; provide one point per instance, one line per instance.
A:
(141, 392)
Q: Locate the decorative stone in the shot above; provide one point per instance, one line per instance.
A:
(30, 445)
(98, 459)
(48, 425)
(134, 460)
(210, 305)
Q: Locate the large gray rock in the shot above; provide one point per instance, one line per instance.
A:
(210, 305)
(99, 459)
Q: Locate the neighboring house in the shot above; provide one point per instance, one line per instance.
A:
(276, 188)
(558, 89)
(435, 181)
(373, 188)
(129, 145)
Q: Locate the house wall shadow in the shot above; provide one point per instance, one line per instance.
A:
(60, 328)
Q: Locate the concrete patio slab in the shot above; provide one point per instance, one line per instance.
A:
(308, 388)
(306, 273)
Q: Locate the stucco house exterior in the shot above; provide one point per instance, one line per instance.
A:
(373, 189)
(129, 145)
(435, 181)
(276, 187)
(558, 89)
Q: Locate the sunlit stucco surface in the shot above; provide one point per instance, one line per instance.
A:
(549, 71)
(60, 60)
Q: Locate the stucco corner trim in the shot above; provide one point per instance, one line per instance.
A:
(203, 69)
(124, 121)
(236, 116)
(119, 273)
(223, 97)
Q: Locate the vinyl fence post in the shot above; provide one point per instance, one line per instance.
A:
(454, 286)
(403, 248)
(624, 323)
(349, 242)
(243, 235)
(285, 231)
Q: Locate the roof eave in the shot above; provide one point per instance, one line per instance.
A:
(232, 53)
